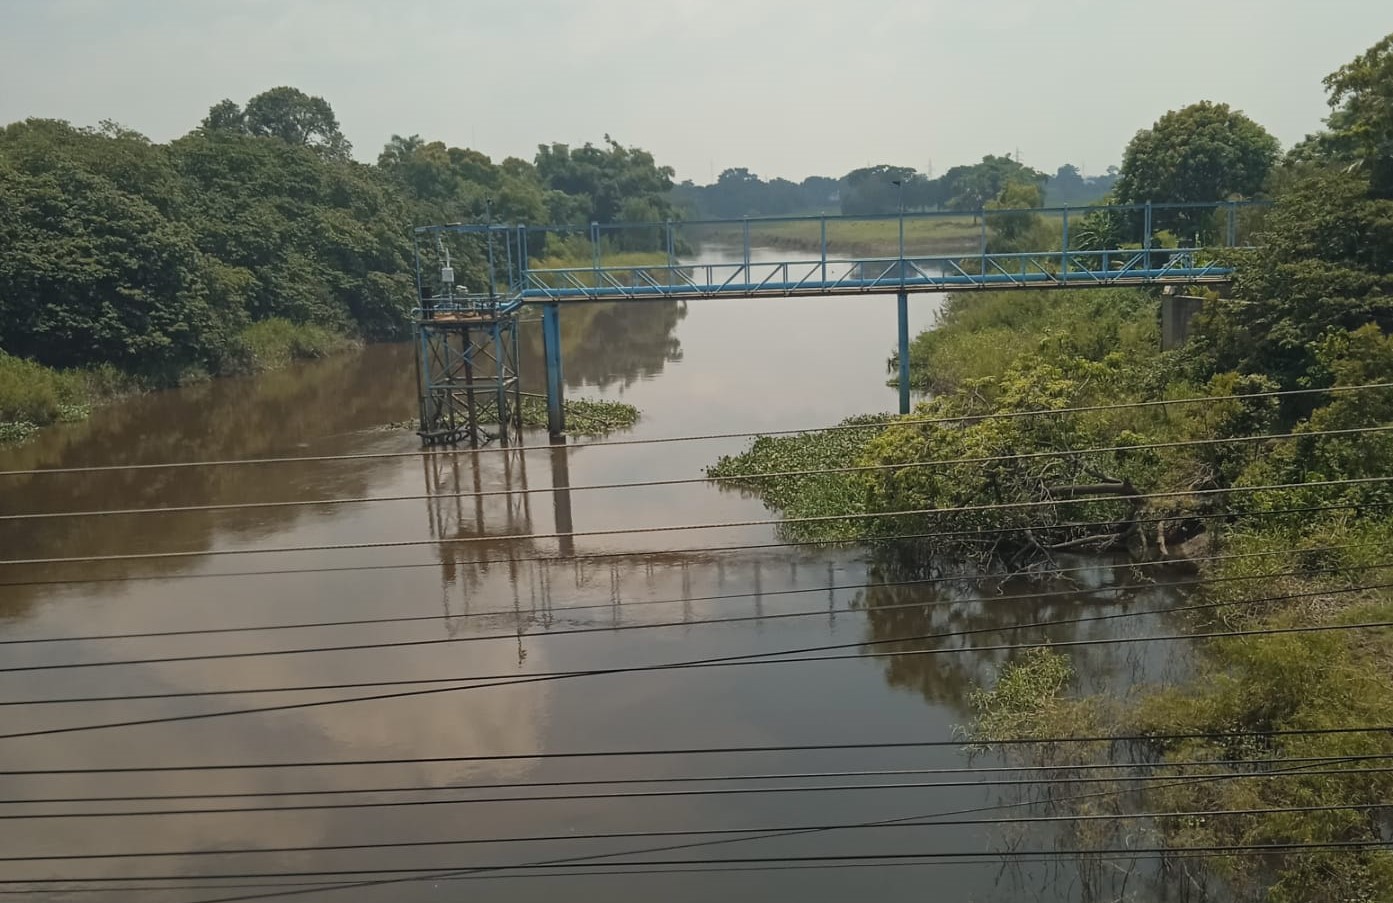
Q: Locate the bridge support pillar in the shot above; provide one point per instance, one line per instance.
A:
(551, 350)
(902, 308)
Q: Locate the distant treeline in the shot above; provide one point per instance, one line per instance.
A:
(885, 189)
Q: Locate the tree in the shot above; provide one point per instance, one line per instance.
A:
(1012, 228)
(285, 113)
(1326, 264)
(971, 187)
(1361, 95)
(225, 116)
(608, 176)
(1205, 152)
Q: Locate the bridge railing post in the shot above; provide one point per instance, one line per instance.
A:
(671, 256)
(1146, 237)
(746, 272)
(551, 350)
(1064, 245)
(595, 250)
(824, 248)
(982, 214)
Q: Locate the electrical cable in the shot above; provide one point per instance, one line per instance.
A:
(745, 547)
(686, 481)
(672, 528)
(751, 860)
(717, 750)
(703, 832)
(608, 606)
(724, 661)
(964, 418)
(571, 631)
(553, 798)
(479, 872)
(1015, 859)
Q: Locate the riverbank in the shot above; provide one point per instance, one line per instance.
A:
(33, 396)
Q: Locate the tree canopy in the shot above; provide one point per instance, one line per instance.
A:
(1204, 152)
(285, 113)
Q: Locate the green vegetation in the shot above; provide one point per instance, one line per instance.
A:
(1310, 310)
(252, 241)
(584, 416)
(1205, 152)
(823, 495)
(274, 343)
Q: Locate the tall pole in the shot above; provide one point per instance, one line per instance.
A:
(902, 309)
(899, 198)
(551, 350)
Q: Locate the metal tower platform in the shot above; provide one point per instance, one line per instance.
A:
(467, 343)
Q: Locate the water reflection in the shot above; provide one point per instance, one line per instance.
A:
(984, 613)
(465, 576)
(609, 345)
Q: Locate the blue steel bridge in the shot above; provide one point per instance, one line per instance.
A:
(467, 335)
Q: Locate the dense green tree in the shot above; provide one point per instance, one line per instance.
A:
(738, 192)
(286, 113)
(972, 187)
(1204, 152)
(1015, 228)
(1326, 264)
(1361, 124)
(609, 176)
(1069, 187)
(91, 270)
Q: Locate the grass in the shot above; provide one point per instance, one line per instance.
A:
(33, 396)
(854, 238)
(275, 343)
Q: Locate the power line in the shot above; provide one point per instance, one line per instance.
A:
(607, 606)
(965, 418)
(831, 857)
(686, 481)
(743, 547)
(726, 661)
(456, 874)
(703, 832)
(619, 869)
(611, 795)
(671, 528)
(723, 750)
(515, 636)
(1052, 771)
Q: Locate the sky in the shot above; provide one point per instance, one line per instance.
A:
(783, 87)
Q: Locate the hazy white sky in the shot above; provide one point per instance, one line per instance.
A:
(784, 87)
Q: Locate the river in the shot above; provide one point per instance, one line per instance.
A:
(712, 367)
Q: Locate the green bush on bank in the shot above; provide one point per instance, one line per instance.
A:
(277, 342)
(32, 396)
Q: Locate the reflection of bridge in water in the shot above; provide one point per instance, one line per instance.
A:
(467, 341)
